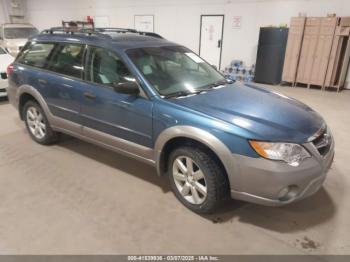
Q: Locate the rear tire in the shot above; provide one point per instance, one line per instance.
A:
(197, 180)
(37, 124)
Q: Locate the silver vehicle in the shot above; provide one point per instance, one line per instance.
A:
(14, 36)
(5, 61)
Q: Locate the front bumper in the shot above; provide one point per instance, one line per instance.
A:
(262, 181)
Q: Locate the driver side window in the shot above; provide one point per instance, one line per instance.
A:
(104, 67)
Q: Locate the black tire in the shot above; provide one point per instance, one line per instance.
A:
(216, 180)
(50, 136)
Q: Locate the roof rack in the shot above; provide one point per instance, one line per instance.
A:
(115, 29)
(78, 25)
(101, 31)
(126, 30)
(61, 30)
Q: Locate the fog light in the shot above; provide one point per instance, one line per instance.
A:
(288, 193)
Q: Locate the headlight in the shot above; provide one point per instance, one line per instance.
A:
(293, 154)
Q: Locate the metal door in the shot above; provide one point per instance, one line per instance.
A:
(211, 36)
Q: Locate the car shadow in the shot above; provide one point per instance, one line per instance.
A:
(306, 213)
(301, 215)
(115, 160)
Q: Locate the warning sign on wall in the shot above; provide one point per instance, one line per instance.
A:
(237, 22)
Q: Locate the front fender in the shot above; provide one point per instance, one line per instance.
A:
(199, 135)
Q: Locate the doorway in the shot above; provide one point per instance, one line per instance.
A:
(211, 36)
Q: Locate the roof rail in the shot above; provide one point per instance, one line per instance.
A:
(126, 30)
(62, 30)
(103, 32)
(151, 34)
(115, 29)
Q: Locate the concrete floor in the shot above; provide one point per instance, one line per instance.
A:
(76, 198)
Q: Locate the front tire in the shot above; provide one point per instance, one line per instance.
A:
(197, 179)
(37, 125)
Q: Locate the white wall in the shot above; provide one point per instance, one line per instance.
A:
(179, 20)
(3, 14)
(10, 12)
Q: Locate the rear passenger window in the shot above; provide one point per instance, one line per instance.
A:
(36, 54)
(67, 59)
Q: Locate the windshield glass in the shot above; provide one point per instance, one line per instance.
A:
(175, 70)
(19, 33)
(2, 51)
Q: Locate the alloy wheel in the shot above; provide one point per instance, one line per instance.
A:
(189, 180)
(36, 123)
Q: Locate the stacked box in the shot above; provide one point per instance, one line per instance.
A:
(237, 71)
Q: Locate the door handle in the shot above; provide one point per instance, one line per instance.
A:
(42, 81)
(219, 43)
(89, 95)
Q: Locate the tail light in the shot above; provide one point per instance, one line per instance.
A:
(9, 69)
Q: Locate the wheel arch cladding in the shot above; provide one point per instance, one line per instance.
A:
(26, 93)
(23, 99)
(177, 142)
(188, 135)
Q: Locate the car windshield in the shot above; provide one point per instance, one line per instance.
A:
(174, 70)
(2, 51)
(19, 33)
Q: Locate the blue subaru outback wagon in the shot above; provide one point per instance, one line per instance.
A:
(157, 101)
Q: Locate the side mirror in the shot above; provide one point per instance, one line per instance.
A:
(130, 88)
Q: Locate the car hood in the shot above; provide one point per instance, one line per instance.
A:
(257, 112)
(15, 42)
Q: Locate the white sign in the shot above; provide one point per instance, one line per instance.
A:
(101, 21)
(144, 23)
(237, 22)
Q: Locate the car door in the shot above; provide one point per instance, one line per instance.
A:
(117, 119)
(63, 81)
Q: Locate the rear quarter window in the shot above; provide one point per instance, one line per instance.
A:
(36, 54)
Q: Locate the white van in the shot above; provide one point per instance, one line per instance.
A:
(14, 36)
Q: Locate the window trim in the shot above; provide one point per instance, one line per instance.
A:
(167, 45)
(27, 46)
(57, 45)
(142, 94)
(45, 69)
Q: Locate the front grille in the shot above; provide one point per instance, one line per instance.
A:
(323, 142)
(3, 75)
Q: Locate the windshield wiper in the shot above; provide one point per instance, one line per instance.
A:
(200, 90)
(215, 84)
(182, 93)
